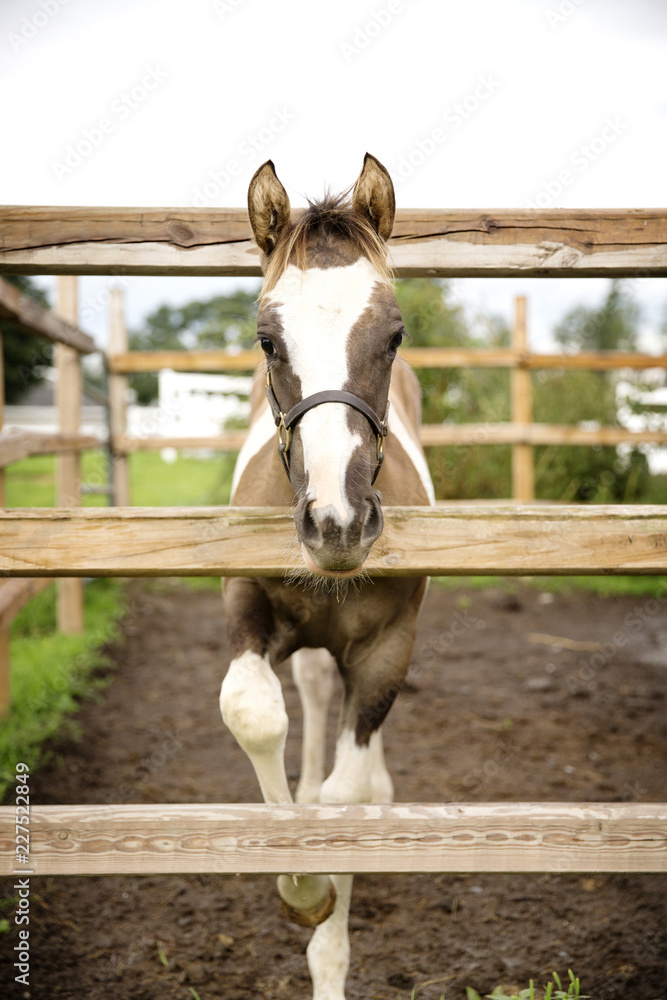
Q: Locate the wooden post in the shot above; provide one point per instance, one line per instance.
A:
(523, 469)
(68, 476)
(118, 389)
(5, 674)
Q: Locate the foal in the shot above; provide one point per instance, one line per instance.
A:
(348, 425)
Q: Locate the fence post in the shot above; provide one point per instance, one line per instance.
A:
(68, 475)
(523, 469)
(118, 388)
(5, 668)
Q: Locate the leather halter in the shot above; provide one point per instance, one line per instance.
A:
(286, 421)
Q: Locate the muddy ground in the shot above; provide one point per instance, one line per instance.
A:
(496, 709)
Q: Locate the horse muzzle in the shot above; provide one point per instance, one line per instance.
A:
(336, 545)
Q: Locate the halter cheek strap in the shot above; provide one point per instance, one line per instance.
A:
(286, 421)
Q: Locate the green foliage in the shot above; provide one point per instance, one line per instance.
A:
(224, 321)
(52, 672)
(572, 992)
(612, 327)
(482, 396)
(24, 355)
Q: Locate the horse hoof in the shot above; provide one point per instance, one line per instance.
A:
(308, 900)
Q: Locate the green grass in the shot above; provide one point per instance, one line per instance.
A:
(154, 483)
(571, 993)
(52, 672)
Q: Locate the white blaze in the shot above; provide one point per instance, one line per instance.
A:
(318, 309)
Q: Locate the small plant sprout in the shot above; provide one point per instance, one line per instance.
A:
(162, 954)
(572, 992)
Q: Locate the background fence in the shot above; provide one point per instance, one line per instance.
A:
(59, 327)
(448, 539)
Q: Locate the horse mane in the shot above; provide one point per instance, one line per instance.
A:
(329, 217)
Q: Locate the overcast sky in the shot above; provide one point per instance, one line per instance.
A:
(470, 104)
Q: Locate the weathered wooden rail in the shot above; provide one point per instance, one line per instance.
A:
(448, 539)
(489, 837)
(425, 242)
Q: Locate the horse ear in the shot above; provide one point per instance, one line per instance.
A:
(373, 196)
(268, 207)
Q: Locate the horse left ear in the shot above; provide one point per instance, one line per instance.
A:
(373, 196)
(268, 207)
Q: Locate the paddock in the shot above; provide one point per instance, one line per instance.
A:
(495, 540)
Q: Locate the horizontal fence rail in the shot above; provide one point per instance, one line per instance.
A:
(243, 541)
(128, 362)
(16, 445)
(493, 837)
(24, 311)
(425, 242)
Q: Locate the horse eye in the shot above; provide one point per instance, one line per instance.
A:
(267, 346)
(395, 343)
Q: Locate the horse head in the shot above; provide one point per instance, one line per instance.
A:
(330, 328)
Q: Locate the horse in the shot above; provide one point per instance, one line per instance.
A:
(347, 412)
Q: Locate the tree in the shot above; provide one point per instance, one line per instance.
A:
(25, 356)
(458, 395)
(597, 474)
(224, 321)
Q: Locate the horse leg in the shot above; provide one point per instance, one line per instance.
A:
(313, 671)
(253, 708)
(372, 676)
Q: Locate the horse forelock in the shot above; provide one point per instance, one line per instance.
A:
(329, 233)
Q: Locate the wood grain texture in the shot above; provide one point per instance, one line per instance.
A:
(21, 444)
(24, 311)
(237, 541)
(491, 837)
(425, 242)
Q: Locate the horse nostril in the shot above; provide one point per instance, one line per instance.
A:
(373, 522)
(309, 529)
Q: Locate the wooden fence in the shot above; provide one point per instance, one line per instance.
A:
(448, 539)
(58, 327)
(521, 433)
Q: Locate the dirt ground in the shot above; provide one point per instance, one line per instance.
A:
(495, 709)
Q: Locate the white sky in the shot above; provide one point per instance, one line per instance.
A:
(542, 87)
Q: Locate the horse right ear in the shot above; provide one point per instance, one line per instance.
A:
(268, 207)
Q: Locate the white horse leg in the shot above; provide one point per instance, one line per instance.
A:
(382, 787)
(252, 706)
(313, 671)
(328, 952)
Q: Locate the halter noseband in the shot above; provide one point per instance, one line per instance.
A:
(286, 421)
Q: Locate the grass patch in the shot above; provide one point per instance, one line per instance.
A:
(186, 482)
(571, 993)
(52, 672)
